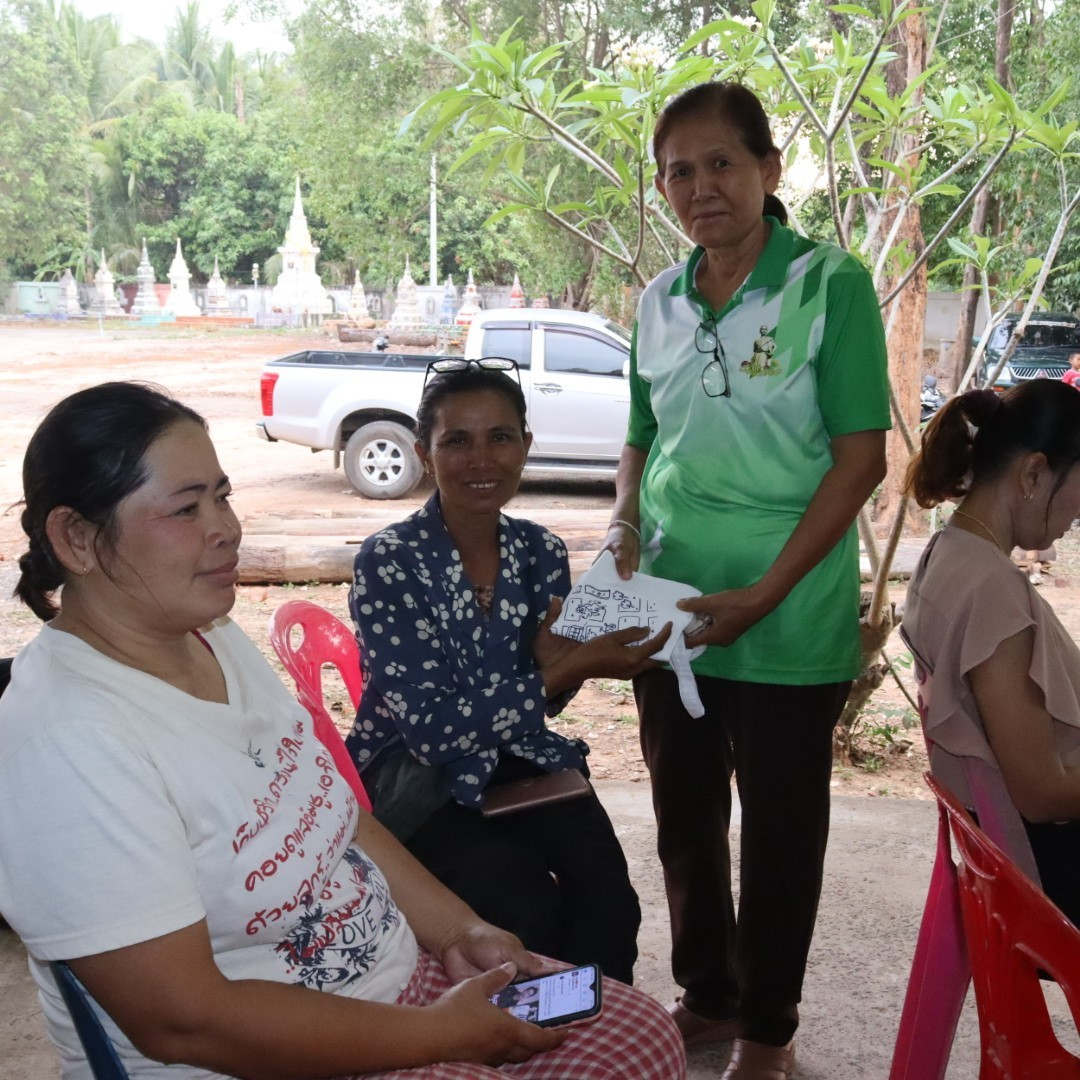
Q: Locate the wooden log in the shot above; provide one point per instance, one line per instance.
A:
(349, 528)
(276, 560)
(355, 333)
(355, 532)
(419, 338)
(558, 518)
(369, 518)
(277, 550)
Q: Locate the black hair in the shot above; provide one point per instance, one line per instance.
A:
(469, 381)
(88, 454)
(975, 436)
(734, 103)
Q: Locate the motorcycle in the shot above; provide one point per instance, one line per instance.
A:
(930, 398)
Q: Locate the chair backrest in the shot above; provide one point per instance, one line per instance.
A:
(1014, 933)
(326, 640)
(100, 1053)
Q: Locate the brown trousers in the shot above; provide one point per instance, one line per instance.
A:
(777, 740)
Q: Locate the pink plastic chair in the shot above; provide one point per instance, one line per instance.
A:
(940, 969)
(326, 640)
(940, 973)
(1013, 933)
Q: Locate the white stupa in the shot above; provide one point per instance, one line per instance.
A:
(298, 290)
(68, 303)
(181, 302)
(406, 314)
(146, 302)
(217, 293)
(358, 308)
(470, 304)
(105, 302)
(517, 293)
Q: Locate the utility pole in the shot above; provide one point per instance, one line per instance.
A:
(433, 214)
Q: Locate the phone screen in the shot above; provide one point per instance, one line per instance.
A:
(550, 1000)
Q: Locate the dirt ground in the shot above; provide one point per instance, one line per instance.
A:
(881, 849)
(218, 374)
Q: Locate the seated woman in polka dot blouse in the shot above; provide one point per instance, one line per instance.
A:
(453, 607)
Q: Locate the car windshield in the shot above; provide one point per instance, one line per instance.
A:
(1052, 335)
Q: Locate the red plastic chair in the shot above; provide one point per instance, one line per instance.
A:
(1013, 933)
(326, 640)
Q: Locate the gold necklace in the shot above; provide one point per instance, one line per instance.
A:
(982, 524)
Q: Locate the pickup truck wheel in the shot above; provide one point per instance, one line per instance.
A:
(380, 461)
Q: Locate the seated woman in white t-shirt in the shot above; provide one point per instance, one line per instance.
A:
(1003, 713)
(184, 841)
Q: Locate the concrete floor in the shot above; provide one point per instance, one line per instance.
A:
(879, 862)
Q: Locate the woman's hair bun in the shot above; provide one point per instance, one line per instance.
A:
(979, 405)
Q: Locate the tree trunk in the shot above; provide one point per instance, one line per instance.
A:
(601, 46)
(905, 341)
(1003, 41)
(980, 213)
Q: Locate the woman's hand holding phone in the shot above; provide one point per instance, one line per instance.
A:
(558, 999)
(472, 1029)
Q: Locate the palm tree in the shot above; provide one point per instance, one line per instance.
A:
(116, 201)
(189, 49)
(118, 78)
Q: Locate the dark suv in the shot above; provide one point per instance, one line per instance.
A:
(1042, 353)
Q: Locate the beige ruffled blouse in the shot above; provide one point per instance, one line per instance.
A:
(966, 597)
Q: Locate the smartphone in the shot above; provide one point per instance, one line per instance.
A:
(563, 997)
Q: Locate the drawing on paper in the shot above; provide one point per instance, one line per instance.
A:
(589, 611)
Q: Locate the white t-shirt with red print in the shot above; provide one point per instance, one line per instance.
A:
(130, 810)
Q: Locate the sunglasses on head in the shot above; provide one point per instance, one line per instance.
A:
(454, 365)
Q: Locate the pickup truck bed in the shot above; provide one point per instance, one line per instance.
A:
(346, 359)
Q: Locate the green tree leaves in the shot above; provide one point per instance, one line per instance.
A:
(43, 172)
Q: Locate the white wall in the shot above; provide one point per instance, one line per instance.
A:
(942, 311)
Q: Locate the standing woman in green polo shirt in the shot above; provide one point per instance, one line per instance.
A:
(757, 431)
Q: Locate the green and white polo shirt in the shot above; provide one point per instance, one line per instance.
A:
(728, 478)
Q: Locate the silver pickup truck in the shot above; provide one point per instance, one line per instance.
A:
(363, 406)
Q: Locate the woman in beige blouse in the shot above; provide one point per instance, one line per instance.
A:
(1003, 711)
